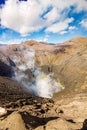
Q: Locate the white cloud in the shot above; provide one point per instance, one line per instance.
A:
(60, 26)
(15, 41)
(43, 39)
(26, 17)
(22, 17)
(63, 32)
(52, 16)
(84, 23)
(71, 28)
(80, 5)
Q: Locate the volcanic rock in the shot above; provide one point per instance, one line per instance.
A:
(13, 122)
(3, 111)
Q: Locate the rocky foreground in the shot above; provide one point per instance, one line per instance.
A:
(35, 113)
(67, 110)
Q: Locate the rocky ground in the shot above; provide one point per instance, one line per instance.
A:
(33, 113)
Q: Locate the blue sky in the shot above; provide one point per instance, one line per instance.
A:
(52, 21)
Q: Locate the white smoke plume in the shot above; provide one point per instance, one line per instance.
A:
(41, 84)
(45, 85)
